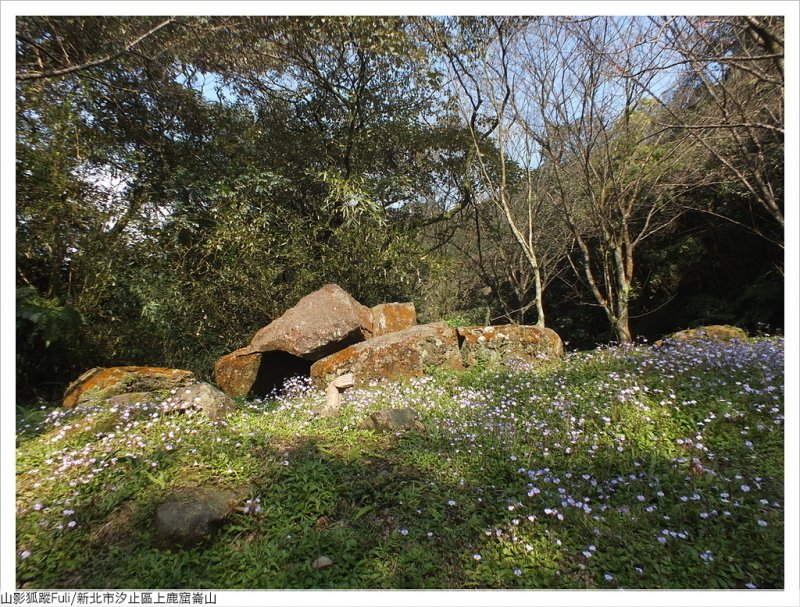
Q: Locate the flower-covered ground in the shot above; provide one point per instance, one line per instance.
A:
(637, 467)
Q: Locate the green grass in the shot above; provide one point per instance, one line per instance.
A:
(633, 468)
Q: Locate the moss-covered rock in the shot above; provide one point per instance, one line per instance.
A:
(709, 332)
(204, 397)
(391, 317)
(103, 383)
(407, 353)
(509, 344)
(189, 516)
(393, 420)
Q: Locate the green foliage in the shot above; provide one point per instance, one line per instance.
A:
(43, 320)
(709, 273)
(47, 334)
(175, 224)
(457, 321)
(223, 215)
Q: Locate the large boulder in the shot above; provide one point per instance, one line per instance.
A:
(103, 383)
(406, 353)
(509, 344)
(392, 317)
(189, 516)
(320, 324)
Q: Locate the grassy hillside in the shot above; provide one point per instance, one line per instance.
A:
(638, 468)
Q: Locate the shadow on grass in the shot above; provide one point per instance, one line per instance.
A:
(388, 519)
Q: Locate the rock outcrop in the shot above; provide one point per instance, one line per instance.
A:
(405, 353)
(320, 324)
(509, 344)
(103, 383)
(325, 335)
(329, 334)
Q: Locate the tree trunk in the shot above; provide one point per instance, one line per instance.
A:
(622, 327)
(623, 269)
(537, 280)
(528, 251)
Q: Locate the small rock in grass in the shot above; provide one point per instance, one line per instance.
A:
(321, 562)
(393, 420)
(188, 516)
